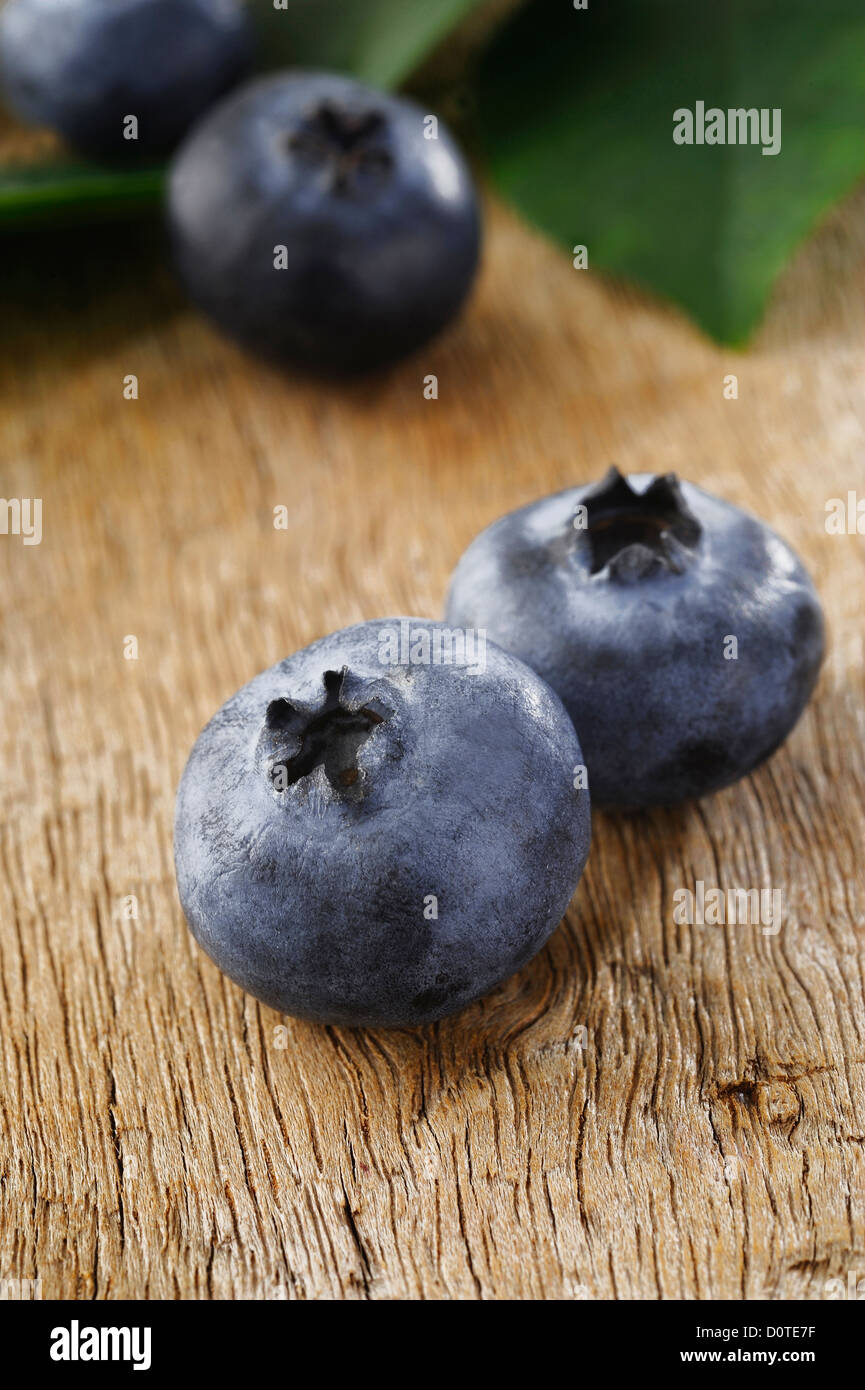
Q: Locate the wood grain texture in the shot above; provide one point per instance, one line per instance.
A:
(646, 1110)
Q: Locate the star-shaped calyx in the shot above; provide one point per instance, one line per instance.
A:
(634, 535)
(351, 146)
(295, 742)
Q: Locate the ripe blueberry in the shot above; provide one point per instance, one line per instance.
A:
(683, 636)
(85, 66)
(364, 836)
(316, 222)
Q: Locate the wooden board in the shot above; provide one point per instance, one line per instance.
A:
(647, 1110)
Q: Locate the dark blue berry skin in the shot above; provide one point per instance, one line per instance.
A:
(627, 619)
(398, 782)
(380, 225)
(82, 66)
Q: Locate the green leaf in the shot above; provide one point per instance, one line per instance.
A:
(380, 41)
(577, 115)
(62, 191)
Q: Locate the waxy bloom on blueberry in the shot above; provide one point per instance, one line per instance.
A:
(368, 842)
(683, 635)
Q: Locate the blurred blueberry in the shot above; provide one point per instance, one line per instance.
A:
(84, 66)
(315, 220)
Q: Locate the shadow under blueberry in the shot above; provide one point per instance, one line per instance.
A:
(85, 289)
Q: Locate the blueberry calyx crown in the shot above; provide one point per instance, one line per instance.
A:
(634, 535)
(329, 737)
(351, 145)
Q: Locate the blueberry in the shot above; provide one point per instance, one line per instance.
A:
(316, 222)
(368, 835)
(683, 636)
(84, 66)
